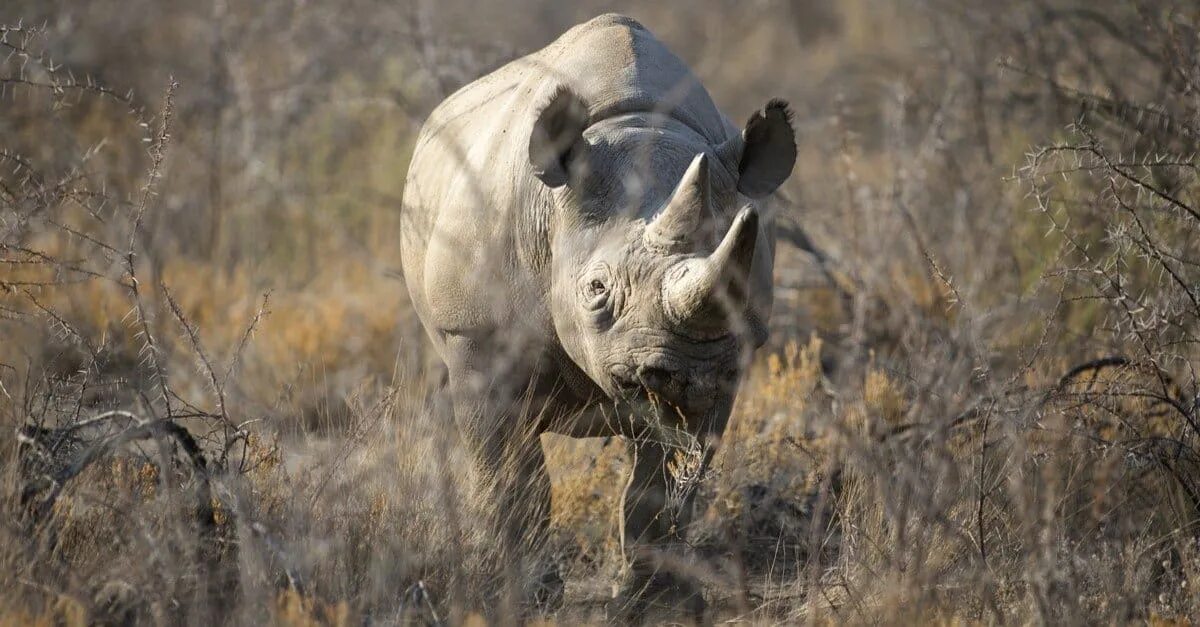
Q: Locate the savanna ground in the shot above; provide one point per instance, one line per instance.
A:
(979, 402)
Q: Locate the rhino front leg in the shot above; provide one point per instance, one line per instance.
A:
(515, 485)
(656, 511)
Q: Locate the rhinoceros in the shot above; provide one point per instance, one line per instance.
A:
(586, 241)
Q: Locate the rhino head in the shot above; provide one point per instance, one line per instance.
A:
(660, 270)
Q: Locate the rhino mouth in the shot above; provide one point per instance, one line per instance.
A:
(650, 398)
(648, 417)
(647, 386)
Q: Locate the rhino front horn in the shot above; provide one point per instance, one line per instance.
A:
(675, 227)
(707, 290)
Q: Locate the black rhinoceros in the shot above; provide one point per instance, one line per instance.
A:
(585, 242)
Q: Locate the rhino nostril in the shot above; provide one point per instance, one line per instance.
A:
(623, 380)
(655, 379)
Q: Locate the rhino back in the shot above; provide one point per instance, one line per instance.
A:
(476, 221)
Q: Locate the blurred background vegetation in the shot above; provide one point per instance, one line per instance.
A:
(979, 398)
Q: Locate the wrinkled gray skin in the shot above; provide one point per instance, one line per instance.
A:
(586, 243)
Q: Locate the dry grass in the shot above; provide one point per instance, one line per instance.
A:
(979, 403)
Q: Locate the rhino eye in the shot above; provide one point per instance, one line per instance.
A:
(595, 290)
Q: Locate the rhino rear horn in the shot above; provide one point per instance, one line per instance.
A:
(676, 226)
(556, 132)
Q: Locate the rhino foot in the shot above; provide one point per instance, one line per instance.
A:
(547, 593)
(658, 597)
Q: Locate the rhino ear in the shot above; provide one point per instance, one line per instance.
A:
(768, 150)
(558, 129)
